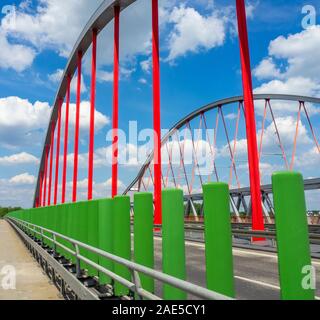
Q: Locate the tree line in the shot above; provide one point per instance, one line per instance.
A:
(5, 210)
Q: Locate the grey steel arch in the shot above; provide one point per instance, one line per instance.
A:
(219, 103)
(99, 20)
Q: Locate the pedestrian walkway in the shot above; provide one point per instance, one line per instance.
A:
(31, 282)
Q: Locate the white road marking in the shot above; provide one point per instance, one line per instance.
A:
(235, 250)
(261, 283)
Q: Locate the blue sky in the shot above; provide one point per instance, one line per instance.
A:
(200, 64)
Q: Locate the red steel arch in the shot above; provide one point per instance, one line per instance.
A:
(108, 11)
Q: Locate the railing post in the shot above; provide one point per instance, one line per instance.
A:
(54, 245)
(173, 246)
(218, 238)
(292, 236)
(137, 283)
(78, 264)
(122, 240)
(143, 236)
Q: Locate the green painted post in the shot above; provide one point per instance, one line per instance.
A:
(218, 239)
(82, 228)
(121, 240)
(72, 226)
(106, 237)
(173, 246)
(57, 213)
(65, 226)
(62, 227)
(32, 219)
(37, 221)
(93, 237)
(143, 236)
(292, 235)
(49, 224)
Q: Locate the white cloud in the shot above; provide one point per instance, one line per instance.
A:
(56, 78)
(23, 179)
(250, 9)
(292, 65)
(146, 65)
(309, 159)
(266, 69)
(105, 76)
(50, 24)
(15, 56)
(100, 189)
(231, 116)
(100, 119)
(296, 85)
(18, 159)
(287, 129)
(299, 52)
(143, 81)
(23, 123)
(193, 32)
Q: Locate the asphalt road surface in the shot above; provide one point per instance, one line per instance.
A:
(256, 272)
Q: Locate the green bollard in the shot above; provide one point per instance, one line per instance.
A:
(37, 222)
(69, 230)
(106, 237)
(93, 237)
(57, 225)
(82, 229)
(72, 227)
(173, 246)
(218, 239)
(292, 235)
(65, 226)
(122, 240)
(143, 236)
(49, 224)
(61, 227)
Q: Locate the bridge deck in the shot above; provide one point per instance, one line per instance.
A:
(256, 273)
(31, 283)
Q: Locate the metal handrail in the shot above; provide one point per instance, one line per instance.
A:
(134, 268)
(268, 234)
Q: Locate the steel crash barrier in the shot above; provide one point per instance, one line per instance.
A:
(94, 240)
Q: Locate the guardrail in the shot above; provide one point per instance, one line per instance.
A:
(270, 234)
(96, 236)
(134, 268)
